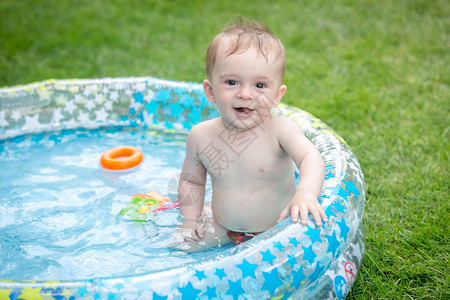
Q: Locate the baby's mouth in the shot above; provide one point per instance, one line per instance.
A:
(244, 111)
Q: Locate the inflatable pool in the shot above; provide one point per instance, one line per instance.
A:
(288, 261)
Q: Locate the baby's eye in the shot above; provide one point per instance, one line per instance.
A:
(260, 85)
(231, 82)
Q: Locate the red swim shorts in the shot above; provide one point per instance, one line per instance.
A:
(240, 237)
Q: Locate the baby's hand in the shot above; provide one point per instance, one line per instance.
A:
(191, 230)
(304, 203)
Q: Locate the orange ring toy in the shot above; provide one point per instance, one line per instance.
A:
(121, 158)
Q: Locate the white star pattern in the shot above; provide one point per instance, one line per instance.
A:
(99, 98)
(44, 94)
(89, 104)
(57, 115)
(108, 105)
(114, 96)
(78, 98)
(149, 96)
(135, 105)
(86, 92)
(31, 122)
(148, 119)
(60, 99)
(16, 115)
(101, 115)
(84, 117)
(70, 107)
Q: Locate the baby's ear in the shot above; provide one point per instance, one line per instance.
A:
(208, 91)
(280, 93)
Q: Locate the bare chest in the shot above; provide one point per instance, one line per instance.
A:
(250, 153)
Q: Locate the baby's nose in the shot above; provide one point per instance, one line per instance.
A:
(245, 93)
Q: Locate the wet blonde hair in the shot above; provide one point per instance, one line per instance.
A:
(248, 34)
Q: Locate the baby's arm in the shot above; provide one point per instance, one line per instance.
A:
(191, 189)
(311, 170)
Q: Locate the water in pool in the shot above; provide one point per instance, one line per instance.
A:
(59, 210)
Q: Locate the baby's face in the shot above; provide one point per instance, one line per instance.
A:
(245, 86)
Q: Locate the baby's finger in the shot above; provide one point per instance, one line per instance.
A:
(316, 216)
(304, 214)
(294, 213)
(322, 214)
(191, 240)
(188, 235)
(284, 214)
(200, 231)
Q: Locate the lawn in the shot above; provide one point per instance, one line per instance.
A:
(375, 71)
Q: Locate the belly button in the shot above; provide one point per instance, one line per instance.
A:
(261, 169)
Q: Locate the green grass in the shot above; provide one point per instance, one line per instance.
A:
(375, 71)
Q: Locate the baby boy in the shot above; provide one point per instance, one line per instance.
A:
(248, 152)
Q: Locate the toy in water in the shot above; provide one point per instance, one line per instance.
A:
(143, 206)
(121, 158)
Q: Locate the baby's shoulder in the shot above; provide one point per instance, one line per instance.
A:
(285, 129)
(205, 126)
(283, 123)
(202, 130)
